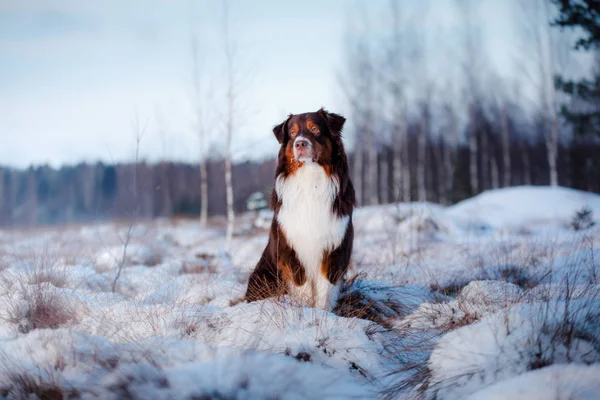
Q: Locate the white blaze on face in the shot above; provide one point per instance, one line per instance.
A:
(303, 150)
(311, 227)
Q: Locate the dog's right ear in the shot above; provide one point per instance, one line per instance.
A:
(281, 130)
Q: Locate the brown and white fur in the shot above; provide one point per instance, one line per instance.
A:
(310, 241)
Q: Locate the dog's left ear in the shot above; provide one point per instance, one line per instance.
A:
(280, 130)
(335, 122)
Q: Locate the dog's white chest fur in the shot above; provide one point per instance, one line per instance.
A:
(306, 215)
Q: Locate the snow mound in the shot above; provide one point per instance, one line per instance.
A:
(574, 382)
(474, 302)
(135, 255)
(529, 206)
(512, 342)
(85, 366)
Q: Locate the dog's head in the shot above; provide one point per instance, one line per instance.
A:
(310, 137)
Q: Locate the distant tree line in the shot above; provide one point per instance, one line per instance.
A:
(92, 192)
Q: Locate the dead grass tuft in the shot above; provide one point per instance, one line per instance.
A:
(202, 264)
(26, 387)
(511, 274)
(357, 303)
(449, 289)
(45, 310)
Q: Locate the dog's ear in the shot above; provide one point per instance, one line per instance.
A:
(335, 122)
(281, 130)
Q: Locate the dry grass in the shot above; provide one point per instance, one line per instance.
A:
(34, 295)
(27, 386)
(45, 309)
(357, 304)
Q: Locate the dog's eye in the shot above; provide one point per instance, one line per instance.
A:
(315, 129)
(293, 133)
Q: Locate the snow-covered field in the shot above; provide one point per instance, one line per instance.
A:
(496, 297)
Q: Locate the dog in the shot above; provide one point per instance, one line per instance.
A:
(310, 241)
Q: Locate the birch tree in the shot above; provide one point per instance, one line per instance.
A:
(200, 128)
(230, 102)
(536, 23)
(397, 92)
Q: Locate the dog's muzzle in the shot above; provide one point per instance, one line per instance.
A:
(303, 150)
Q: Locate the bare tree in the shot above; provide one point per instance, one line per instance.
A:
(367, 112)
(230, 54)
(356, 83)
(471, 66)
(422, 145)
(199, 106)
(536, 23)
(396, 84)
(166, 204)
(139, 134)
(548, 92)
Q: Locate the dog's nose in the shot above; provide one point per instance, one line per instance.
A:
(301, 144)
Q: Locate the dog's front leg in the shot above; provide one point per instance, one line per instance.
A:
(334, 266)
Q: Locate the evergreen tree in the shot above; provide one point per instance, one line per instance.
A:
(584, 14)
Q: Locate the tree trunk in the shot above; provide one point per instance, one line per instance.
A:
(383, 178)
(526, 165)
(371, 178)
(32, 198)
(167, 204)
(228, 175)
(229, 127)
(229, 193)
(439, 152)
(406, 181)
(505, 149)
(421, 143)
(485, 161)
(494, 171)
(473, 170)
(358, 170)
(449, 159)
(203, 191)
(200, 112)
(552, 143)
(552, 139)
(397, 162)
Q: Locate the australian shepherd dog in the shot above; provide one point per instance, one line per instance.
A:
(310, 241)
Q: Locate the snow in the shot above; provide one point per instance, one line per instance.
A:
(508, 208)
(575, 382)
(492, 298)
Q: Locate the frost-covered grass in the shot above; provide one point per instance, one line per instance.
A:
(493, 298)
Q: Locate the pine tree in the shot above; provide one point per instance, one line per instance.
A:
(584, 14)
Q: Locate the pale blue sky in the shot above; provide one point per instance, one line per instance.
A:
(73, 73)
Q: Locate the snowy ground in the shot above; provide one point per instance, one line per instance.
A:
(494, 298)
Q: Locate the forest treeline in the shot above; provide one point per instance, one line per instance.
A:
(91, 192)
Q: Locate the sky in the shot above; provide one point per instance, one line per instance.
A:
(75, 75)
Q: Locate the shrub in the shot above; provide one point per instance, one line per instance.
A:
(583, 219)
